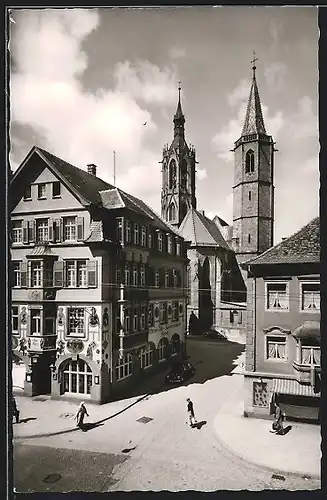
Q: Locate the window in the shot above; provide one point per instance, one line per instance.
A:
(142, 325)
(56, 190)
(81, 273)
(42, 230)
(76, 321)
(77, 378)
(249, 195)
(157, 278)
(171, 212)
(127, 323)
(175, 278)
(166, 278)
(136, 234)
(310, 353)
(120, 230)
(163, 312)
(276, 347)
(249, 238)
(41, 191)
(143, 236)
(124, 367)
(150, 316)
(36, 326)
(310, 297)
(49, 321)
(36, 273)
(28, 193)
(170, 244)
(118, 274)
(14, 319)
(175, 311)
(69, 228)
(76, 273)
(146, 357)
(47, 274)
(127, 275)
(160, 245)
(135, 275)
(162, 350)
(178, 247)
(142, 275)
(17, 231)
(135, 319)
(128, 232)
(150, 240)
(17, 281)
(249, 162)
(277, 296)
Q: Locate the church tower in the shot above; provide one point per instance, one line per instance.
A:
(178, 173)
(253, 190)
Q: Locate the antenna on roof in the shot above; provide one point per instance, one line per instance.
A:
(114, 168)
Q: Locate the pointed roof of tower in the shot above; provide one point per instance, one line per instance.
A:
(253, 123)
(179, 112)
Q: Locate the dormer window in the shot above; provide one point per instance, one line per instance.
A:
(28, 193)
(249, 162)
(41, 191)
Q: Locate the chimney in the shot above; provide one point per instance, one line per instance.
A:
(202, 212)
(283, 239)
(92, 169)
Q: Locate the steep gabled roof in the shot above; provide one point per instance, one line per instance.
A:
(220, 221)
(94, 190)
(303, 247)
(201, 231)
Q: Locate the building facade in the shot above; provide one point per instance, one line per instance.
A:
(283, 327)
(253, 190)
(98, 283)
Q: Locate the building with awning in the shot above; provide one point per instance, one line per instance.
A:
(283, 336)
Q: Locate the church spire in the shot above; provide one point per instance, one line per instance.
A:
(179, 119)
(253, 123)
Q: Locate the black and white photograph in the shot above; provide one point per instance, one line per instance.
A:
(164, 249)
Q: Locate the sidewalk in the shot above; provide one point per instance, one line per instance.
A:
(298, 452)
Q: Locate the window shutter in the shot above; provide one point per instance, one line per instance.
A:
(23, 274)
(31, 230)
(58, 274)
(51, 232)
(25, 231)
(61, 230)
(92, 268)
(80, 228)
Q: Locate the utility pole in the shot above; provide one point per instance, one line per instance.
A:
(114, 168)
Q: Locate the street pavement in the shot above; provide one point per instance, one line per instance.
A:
(123, 454)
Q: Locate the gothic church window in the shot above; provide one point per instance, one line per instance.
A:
(249, 162)
(172, 174)
(171, 212)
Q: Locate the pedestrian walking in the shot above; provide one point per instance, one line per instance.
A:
(15, 410)
(279, 416)
(190, 411)
(81, 412)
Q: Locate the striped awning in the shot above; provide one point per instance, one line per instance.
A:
(292, 387)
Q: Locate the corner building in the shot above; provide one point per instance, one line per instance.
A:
(98, 282)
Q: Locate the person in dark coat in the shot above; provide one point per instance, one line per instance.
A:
(190, 411)
(279, 416)
(15, 410)
(82, 411)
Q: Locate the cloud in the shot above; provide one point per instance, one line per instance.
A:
(240, 93)
(201, 174)
(177, 52)
(304, 120)
(146, 81)
(275, 75)
(82, 127)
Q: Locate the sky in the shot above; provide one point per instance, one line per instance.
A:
(84, 81)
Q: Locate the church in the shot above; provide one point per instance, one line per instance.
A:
(216, 282)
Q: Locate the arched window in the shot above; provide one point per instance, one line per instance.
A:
(171, 212)
(172, 174)
(176, 344)
(162, 349)
(77, 378)
(147, 357)
(124, 367)
(249, 162)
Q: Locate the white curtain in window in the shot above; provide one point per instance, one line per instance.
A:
(316, 356)
(311, 300)
(280, 348)
(271, 350)
(277, 300)
(306, 355)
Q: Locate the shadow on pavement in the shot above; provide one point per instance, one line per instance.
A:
(199, 425)
(24, 420)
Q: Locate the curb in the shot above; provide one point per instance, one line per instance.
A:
(302, 475)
